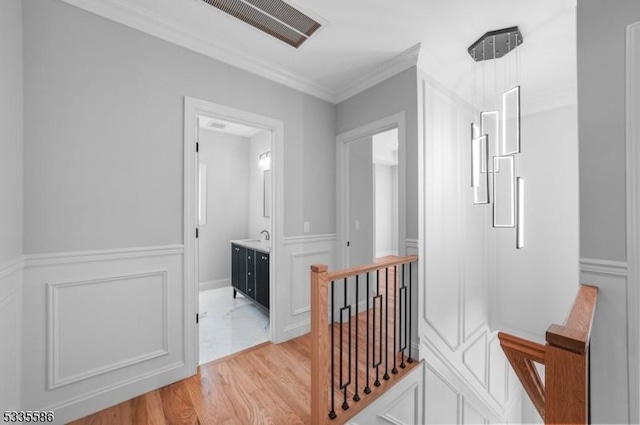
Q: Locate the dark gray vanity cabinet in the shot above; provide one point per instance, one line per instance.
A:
(250, 274)
(262, 278)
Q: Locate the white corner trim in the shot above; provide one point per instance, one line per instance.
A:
(11, 267)
(294, 240)
(632, 103)
(605, 267)
(388, 69)
(40, 260)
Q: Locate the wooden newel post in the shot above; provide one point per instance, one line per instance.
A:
(320, 345)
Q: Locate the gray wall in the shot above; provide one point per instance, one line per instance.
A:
(396, 94)
(227, 201)
(601, 105)
(10, 130)
(601, 28)
(103, 145)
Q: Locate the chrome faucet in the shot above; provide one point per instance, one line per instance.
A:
(266, 235)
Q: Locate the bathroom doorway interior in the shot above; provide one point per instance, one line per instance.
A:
(234, 243)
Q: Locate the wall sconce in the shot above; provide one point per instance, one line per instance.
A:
(495, 142)
(264, 161)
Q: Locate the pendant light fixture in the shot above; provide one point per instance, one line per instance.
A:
(495, 137)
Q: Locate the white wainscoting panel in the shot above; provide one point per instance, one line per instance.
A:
(103, 327)
(401, 405)
(300, 252)
(81, 347)
(474, 358)
(454, 332)
(609, 350)
(10, 332)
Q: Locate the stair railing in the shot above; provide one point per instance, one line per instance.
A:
(360, 335)
(564, 396)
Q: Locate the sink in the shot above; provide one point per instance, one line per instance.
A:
(257, 244)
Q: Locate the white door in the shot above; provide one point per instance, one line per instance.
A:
(361, 224)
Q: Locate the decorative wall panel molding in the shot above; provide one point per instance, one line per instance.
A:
(11, 267)
(300, 266)
(474, 358)
(10, 330)
(111, 326)
(402, 404)
(604, 267)
(294, 293)
(79, 342)
(40, 260)
(296, 240)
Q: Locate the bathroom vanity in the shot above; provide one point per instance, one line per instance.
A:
(250, 270)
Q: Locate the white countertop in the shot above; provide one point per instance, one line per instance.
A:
(256, 244)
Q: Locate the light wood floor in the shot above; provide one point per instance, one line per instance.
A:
(266, 384)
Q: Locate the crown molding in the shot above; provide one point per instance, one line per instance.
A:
(151, 23)
(388, 69)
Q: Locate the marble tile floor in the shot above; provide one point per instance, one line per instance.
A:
(229, 325)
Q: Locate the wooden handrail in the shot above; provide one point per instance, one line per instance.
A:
(564, 398)
(575, 334)
(382, 264)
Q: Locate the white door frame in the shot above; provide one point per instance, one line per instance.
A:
(633, 215)
(342, 188)
(192, 108)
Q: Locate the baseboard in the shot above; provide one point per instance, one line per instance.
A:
(215, 284)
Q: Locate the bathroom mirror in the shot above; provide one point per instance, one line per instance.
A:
(266, 194)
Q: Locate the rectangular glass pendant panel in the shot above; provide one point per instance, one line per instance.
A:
(475, 133)
(490, 125)
(511, 121)
(479, 178)
(504, 192)
(520, 208)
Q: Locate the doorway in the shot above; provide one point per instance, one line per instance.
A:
(371, 189)
(232, 198)
(233, 217)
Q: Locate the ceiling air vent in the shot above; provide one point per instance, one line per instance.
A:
(275, 17)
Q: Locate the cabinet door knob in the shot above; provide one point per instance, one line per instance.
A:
(237, 249)
(249, 273)
(249, 257)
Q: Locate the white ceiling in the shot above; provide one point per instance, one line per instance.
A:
(364, 41)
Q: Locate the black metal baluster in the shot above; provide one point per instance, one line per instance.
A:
(396, 323)
(386, 324)
(332, 413)
(356, 396)
(377, 297)
(367, 388)
(343, 386)
(410, 360)
(403, 293)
